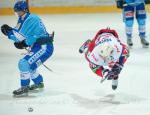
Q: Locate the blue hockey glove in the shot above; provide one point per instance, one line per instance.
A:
(6, 29)
(20, 45)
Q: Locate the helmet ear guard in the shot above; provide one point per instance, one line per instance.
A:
(21, 6)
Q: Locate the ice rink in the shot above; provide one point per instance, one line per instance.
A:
(72, 88)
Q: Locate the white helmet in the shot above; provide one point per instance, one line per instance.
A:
(105, 50)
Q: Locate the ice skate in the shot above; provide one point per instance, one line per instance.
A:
(39, 86)
(144, 43)
(130, 43)
(84, 46)
(23, 91)
(114, 83)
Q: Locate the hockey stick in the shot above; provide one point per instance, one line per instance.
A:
(107, 77)
(27, 3)
(41, 63)
(103, 79)
(47, 67)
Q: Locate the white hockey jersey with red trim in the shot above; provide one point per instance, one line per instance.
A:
(94, 57)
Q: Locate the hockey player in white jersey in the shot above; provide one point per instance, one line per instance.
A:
(106, 55)
(30, 33)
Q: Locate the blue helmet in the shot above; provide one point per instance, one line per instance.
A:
(21, 6)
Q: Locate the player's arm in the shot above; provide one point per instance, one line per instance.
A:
(27, 32)
(99, 70)
(9, 32)
(19, 40)
(119, 64)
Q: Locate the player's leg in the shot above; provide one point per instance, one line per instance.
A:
(123, 58)
(29, 63)
(41, 54)
(115, 83)
(141, 19)
(128, 18)
(25, 75)
(37, 79)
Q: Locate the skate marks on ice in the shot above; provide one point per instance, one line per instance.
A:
(101, 102)
(9, 97)
(126, 98)
(106, 100)
(123, 97)
(31, 95)
(140, 50)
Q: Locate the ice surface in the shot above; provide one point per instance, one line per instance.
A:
(72, 88)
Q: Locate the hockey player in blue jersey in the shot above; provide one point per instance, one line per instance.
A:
(134, 9)
(30, 33)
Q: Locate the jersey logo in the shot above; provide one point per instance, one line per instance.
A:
(129, 14)
(102, 40)
(36, 56)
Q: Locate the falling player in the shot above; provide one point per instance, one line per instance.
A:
(29, 33)
(106, 55)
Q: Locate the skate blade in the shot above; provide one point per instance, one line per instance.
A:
(130, 47)
(103, 79)
(145, 46)
(114, 87)
(36, 90)
(21, 95)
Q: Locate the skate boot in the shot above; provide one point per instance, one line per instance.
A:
(145, 43)
(23, 91)
(39, 86)
(130, 43)
(115, 83)
(84, 46)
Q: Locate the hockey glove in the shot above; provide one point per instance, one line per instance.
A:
(20, 45)
(114, 72)
(147, 1)
(111, 75)
(52, 36)
(6, 29)
(117, 68)
(120, 3)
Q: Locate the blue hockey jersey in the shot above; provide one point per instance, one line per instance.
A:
(29, 28)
